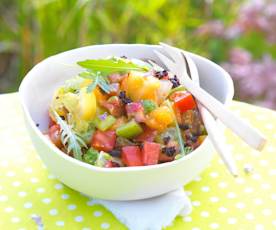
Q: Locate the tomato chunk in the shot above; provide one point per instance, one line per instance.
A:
(184, 101)
(131, 156)
(104, 141)
(150, 153)
(55, 135)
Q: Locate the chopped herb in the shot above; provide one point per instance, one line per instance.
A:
(90, 156)
(148, 105)
(97, 80)
(69, 138)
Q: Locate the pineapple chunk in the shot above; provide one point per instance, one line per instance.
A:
(160, 118)
(139, 87)
(87, 104)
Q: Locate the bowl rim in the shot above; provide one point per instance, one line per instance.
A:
(228, 99)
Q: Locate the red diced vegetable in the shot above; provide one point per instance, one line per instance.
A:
(136, 110)
(147, 135)
(55, 135)
(184, 101)
(131, 156)
(150, 153)
(114, 106)
(104, 141)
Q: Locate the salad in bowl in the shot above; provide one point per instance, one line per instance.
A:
(104, 114)
(121, 112)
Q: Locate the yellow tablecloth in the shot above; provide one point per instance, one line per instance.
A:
(220, 201)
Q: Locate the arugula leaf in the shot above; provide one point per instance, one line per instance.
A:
(97, 79)
(108, 66)
(93, 85)
(69, 138)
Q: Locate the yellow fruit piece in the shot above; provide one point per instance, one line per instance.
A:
(160, 118)
(139, 87)
(87, 104)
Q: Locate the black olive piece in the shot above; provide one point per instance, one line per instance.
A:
(166, 140)
(115, 153)
(169, 151)
(183, 126)
(161, 74)
(194, 139)
(125, 100)
(175, 81)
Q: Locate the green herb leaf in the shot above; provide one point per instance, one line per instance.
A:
(180, 140)
(69, 138)
(93, 85)
(148, 105)
(97, 79)
(91, 156)
(108, 66)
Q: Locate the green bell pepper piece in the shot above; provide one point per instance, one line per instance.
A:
(129, 130)
(105, 124)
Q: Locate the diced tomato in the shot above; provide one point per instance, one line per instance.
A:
(131, 156)
(147, 135)
(136, 110)
(104, 141)
(114, 106)
(150, 153)
(184, 101)
(55, 135)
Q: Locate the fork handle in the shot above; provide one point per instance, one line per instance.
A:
(244, 130)
(215, 134)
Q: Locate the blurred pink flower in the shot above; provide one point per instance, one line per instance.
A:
(259, 16)
(239, 56)
(254, 80)
(213, 28)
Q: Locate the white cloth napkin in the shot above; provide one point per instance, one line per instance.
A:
(149, 214)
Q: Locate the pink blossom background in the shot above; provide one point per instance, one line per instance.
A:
(254, 74)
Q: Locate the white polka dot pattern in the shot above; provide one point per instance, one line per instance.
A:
(219, 201)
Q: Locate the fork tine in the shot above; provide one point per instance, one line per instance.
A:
(166, 61)
(190, 66)
(175, 55)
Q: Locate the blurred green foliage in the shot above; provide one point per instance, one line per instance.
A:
(31, 30)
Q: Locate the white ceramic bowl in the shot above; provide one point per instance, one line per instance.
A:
(127, 183)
